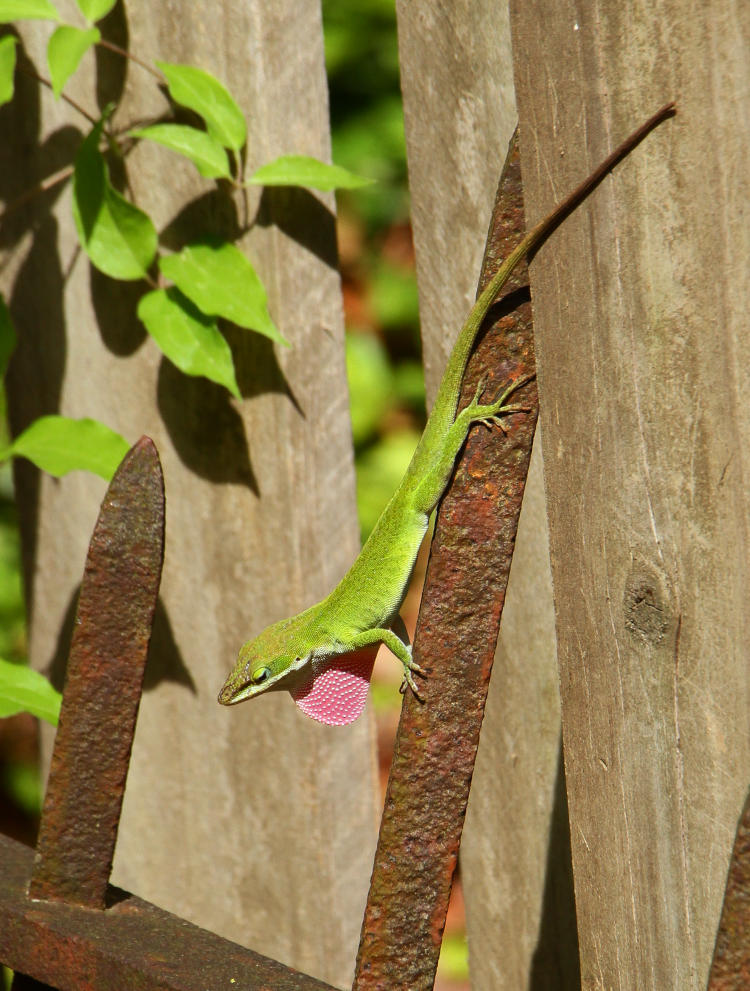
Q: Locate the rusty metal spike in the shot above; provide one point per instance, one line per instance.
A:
(103, 686)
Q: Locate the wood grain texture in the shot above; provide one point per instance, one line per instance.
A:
(459, 116)
(254, 822)
(460, 113)
(640, 311)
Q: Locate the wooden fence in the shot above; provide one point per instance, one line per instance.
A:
(628, 588)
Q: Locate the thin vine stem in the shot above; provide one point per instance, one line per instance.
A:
(134, 58)
(41, 187)
(45, 82)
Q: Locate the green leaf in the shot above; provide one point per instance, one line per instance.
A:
(66, 48)
(301, 170)
(57, 445)
(7, 67)
(94, 10)
(204, 151)
(119, 238)
(7, 336)
(25, 690)
(201, 92)
(221, 282)
(189, 338)
(27, 10)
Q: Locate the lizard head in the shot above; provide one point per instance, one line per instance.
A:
(265, 662)
(296, 655)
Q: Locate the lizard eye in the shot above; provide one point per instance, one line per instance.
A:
(261, 675)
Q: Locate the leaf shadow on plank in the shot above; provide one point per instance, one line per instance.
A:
(206, 430)
(300, 215)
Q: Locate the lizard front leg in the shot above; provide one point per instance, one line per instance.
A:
(396, 646)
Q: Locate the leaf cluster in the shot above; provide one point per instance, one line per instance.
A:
(191, 291)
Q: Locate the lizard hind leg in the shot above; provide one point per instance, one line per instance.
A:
(489, 414)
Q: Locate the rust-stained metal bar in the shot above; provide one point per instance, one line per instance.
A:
(132, 946)
(730, 969)
(103, 686)
(455, 642)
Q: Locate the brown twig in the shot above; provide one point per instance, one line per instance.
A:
(41, 187)
(134, 58)
(45, 82)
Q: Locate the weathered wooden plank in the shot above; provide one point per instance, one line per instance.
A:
(254, 822)
(640, 309)
(459, 114)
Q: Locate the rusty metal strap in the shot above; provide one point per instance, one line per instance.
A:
(455, 642)
(132, 946)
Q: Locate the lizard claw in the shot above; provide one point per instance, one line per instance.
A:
(494, 421)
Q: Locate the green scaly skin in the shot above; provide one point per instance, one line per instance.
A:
(363, 608)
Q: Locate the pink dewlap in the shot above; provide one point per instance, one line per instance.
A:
(337, 695)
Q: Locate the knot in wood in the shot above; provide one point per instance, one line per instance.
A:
(647, 605)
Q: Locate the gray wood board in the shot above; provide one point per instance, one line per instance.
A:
(641, 312)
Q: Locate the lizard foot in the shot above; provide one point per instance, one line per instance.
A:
(494, 418)
(409, 677)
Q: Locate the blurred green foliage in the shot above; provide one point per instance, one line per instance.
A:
(12, 616)
(453, 964)
(393, 291)
(367, 122)
(379, 470)
(19, 781)
(377, 389)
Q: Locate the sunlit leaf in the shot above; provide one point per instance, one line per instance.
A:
(7, 336)
(66, 48)
(7, 67)
(201, 92)
(27, 10)
(94, 10)
(189, 338)
(24, 690)
(222, 283)
(204, 151)
(57, 445)
(300, 170)
(119, 238)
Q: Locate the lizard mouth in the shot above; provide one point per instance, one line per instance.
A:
(230, 695)
(236, 690)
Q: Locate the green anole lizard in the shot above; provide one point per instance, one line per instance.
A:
(314, 654)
